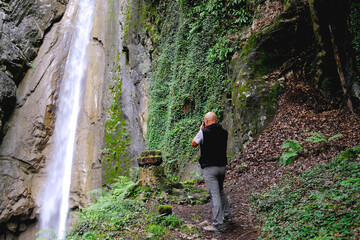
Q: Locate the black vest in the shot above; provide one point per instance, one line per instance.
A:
(213, 148)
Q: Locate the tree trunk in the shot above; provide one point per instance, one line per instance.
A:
(340, 70)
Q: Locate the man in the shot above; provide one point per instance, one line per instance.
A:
(212, 139)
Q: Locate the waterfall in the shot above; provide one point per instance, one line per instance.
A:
(55, 198)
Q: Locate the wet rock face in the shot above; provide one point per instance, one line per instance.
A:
(30, 98)
(16, 204)
(23, 24)
(136, 63)
(7, 95)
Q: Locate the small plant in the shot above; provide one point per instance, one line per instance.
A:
(322, 203)
(169, 221)
(172, 221)
(197, 176)
(46, 234)
(294, 149)
(124, 187)
(157, 230)
(318, 138)
(89, 236)
(110, 214)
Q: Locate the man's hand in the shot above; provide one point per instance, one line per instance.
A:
(193, 143)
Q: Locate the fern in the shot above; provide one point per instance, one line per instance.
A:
(123, 187)
(294, 149)
(316, 138)
(287, 157)
(333, 137)
(89, 236)
(319, 137)
(293, 145)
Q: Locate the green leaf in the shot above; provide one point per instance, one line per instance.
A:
(287, 157)
(90, 236)
(316, 138)
(335, 136)
(293, 145)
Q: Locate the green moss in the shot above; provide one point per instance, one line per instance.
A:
(158, 171)
(249, 46)
(270, 99)
(164, 209)
(127, 22)
(193, 181)
(117, 139)
(269, 46)
(170, 192)
(349, 154)
(238, 93)
(266, 63)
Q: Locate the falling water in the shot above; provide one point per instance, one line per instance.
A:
(55, 200)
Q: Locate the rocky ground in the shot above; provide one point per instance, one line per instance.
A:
(301, 110)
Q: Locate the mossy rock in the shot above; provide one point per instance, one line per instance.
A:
(153, 177)
(349, 154)
(175, 193)
(151, 153)
(150, 158)
(254, 93)
(165, 210)
(188, 194)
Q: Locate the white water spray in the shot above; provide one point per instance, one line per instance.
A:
(55, 199)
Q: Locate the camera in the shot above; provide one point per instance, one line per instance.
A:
(202, 122)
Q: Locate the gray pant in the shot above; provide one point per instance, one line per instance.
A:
(214, 179)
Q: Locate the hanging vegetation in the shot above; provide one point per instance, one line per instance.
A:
(190, 75)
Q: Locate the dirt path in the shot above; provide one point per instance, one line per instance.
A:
(197, 215)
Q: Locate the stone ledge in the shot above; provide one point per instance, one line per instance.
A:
(150, 158)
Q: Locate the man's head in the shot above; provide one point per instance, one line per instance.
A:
(210, 118)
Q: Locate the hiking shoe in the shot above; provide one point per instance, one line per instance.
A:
(212, 228)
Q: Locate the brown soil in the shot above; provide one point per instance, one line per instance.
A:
(301, 110)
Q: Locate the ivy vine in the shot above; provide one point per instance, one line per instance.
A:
(190, 75)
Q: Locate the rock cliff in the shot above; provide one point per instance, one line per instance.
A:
(23, 25)
(277, 35)
(26, 150)
(34, 46)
